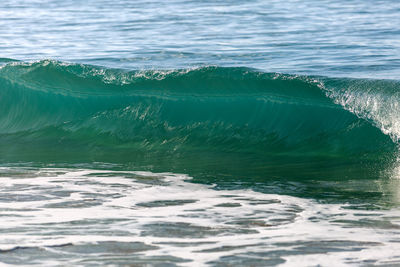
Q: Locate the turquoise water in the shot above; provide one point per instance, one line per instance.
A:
(252, 133)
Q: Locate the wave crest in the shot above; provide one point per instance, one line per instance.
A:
(212, 117)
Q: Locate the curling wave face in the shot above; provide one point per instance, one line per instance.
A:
(201, 121)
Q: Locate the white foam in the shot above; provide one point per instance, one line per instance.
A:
(50, 207)
(371, 103)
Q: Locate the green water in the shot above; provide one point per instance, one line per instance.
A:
(236, 127)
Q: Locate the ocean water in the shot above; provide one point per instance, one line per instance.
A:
(200, 133)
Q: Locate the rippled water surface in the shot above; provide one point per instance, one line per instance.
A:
(336, 38)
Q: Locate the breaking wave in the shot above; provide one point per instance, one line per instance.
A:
(208, 120)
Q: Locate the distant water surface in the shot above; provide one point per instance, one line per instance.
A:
(354, 38)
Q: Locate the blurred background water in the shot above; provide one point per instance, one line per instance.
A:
(353, 38)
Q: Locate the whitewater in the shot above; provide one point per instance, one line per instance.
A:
(89, 217)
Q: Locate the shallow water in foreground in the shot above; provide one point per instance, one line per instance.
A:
(87, 217)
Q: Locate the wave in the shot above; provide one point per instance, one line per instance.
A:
(209, 120)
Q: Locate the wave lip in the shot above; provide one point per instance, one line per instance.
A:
(208, 118)
(376, 101)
